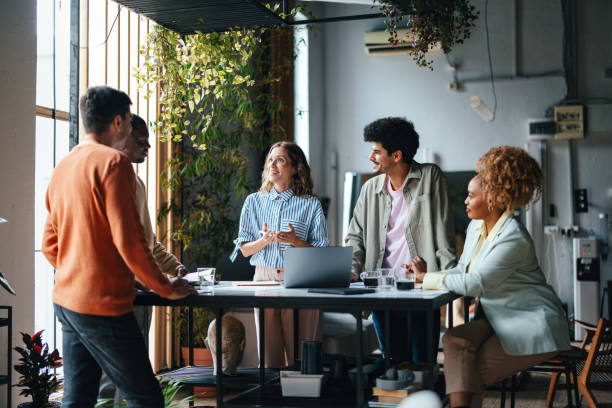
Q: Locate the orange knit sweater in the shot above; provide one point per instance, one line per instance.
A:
(93, 236)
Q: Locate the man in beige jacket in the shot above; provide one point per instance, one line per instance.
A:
(136, 149)
(401, 213)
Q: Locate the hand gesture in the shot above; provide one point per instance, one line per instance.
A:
(181, 271)
(269, 236)
(288, 237)
(418, 266)
(180, 289)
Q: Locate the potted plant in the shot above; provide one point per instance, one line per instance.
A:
(442, 23)
(37, 378)
(201, 319)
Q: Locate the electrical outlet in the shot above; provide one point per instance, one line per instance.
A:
(569, 122)
(581, 203)
(551, 229)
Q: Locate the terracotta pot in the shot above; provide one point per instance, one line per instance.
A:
(201, 357)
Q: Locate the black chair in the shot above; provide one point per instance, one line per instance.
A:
(564, 363)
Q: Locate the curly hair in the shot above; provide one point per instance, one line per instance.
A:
(302, 181)
(394, 134)
(509, 177)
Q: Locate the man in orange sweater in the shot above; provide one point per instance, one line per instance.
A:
(94, 239)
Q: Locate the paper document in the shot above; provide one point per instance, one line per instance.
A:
(256, 283)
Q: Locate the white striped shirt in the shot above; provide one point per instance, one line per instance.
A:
(277, 209)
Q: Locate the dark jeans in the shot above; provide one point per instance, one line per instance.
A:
(400, 344)
(110, 343)
(107, 390)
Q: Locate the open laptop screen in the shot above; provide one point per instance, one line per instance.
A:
(318, 267)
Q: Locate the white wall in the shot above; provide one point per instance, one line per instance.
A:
(17, 110)
(526, 39)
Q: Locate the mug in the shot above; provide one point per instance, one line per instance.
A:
(371, 279)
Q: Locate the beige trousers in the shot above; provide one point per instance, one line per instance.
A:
(279, 326)
(474, 358)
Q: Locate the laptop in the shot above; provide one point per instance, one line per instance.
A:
(318, 267)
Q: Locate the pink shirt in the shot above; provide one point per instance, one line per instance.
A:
(396, 247)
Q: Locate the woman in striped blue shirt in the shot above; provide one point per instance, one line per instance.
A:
(282, 214)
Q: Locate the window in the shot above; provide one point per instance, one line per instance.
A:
(109, 54)
(52, 89)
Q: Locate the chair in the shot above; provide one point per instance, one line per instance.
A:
(570, 383)
(597, 371)
(566, 362)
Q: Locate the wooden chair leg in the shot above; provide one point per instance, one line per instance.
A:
(513, 385)
(552, 387)
(588, 396)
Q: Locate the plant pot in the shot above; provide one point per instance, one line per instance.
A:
(201, 357)
(50, 404)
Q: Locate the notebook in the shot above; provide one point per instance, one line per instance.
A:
(318, 267)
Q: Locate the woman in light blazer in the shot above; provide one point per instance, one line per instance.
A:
(519, 319)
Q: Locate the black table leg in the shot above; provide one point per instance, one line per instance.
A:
(387, 339)
(429, 381)
(296, 334)
(219, 352)
(409, 330)
(190, 334)
(262, 347)
(358, 360)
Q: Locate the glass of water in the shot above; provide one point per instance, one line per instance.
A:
(387, 279)
(207, 279)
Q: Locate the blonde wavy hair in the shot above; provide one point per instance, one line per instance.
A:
(509, 177)
(302, 181)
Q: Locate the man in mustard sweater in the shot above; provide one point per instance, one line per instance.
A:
(94, 239)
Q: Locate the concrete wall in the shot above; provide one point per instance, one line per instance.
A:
(526, 39)
(17, 113)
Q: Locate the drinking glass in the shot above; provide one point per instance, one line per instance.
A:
(404, 279)
(207, 279)
(386, 278)
(371, 279)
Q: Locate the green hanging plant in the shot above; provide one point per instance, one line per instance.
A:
(431, 24)
(218, 109)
